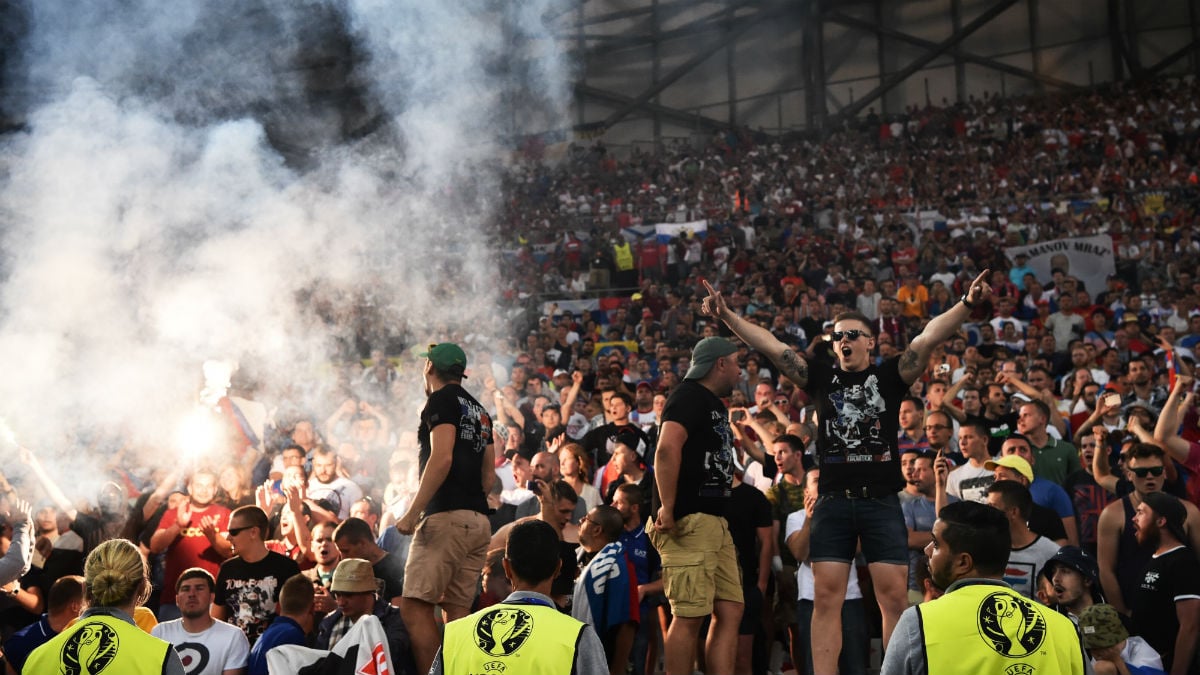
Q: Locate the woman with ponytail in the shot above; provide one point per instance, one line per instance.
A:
(105, 639)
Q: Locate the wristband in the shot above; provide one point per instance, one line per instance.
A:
(966, 302)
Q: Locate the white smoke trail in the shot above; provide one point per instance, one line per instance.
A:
(182, 181)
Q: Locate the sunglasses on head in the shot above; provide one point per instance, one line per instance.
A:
(1142, 472)
(849, 334)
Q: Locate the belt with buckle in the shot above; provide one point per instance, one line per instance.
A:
(863, 492)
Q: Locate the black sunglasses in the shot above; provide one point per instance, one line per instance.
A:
(1142, 472)
(235, 531)
(852, 334)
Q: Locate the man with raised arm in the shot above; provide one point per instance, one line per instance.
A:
(857, 405)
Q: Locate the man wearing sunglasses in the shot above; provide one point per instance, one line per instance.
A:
(858, 406)
(1121, 558)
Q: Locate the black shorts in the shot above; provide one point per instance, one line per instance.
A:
(840, 522)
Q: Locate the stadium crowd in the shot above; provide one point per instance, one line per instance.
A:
(1069, 408)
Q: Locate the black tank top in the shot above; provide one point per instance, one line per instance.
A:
(1131, 556)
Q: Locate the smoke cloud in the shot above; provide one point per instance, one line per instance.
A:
(194, 178)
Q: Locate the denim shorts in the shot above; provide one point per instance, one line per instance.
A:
(840, 522)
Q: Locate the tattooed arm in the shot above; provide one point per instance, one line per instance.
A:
(915, 359)
(790, 364)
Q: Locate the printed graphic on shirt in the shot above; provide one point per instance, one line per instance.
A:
(502, 631)
(854, 431)
(252, 602)
(90, 650)
(718, 463)
(193, 655)
(475, 416)
(1011, 625)
(975, 489)
(1021, 576)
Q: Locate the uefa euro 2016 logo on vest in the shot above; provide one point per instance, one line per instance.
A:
(89, 650)
(501, 632)
(1012, 627)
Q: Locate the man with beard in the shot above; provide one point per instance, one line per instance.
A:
(919, 516)
(206, 646)
(1166, 604)
(1075, 577)
(1122, 559)
(338, 492)
(980, 625)
(193, 535)
(857, 405)
(694, 472)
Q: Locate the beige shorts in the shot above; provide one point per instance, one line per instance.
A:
(699, 564)
(446, 558)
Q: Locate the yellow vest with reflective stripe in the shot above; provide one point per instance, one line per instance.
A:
(624, 256)
(513, 639)
(993, 630)
(100, 645)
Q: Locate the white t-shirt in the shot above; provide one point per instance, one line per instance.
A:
(347, 492)
(222, 647)
(969, 483)
(1025, 564)
(804, 574)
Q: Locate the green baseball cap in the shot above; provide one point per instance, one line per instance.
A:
(1101, 627)
(705, 354)
(446, 357)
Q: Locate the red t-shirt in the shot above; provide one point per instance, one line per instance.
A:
(191, 548)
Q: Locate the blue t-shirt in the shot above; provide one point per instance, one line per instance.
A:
(1052, 496)
(21, 644)
(282, 631)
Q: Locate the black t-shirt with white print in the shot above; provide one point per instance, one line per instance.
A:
(706, 461)
(859, 416)
(1168, 579)
(463, 487)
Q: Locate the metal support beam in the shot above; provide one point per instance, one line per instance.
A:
(703, 53)
(1171, 58)
(1192, 22)
(854, 22)
(943, 46)
(811, 66)
(1131, 39)
(960, 68)
(730, 69)
(612, 98)
(716, 20)
(1035, 51)
(880, 54)
(655, 68)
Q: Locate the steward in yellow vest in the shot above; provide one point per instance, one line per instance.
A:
(105, 640)
(981, 625)
(623, 255)
(525, 633)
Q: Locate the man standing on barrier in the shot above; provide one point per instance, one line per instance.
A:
(857, 405)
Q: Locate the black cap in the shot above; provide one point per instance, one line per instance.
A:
(1077, 559)
(1172, 510)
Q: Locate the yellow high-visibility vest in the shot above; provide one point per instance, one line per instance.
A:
(100, 645)
(624, 256)
(526, 638)
(989, 628)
